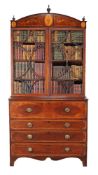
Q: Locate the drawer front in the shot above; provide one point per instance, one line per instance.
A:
(48, 124)
(48, 149)
(48, 109)
(25, 109)
(48, 136)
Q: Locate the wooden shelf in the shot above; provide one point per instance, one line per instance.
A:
(77, 62)
(61, 80)
(68, 44)
(21, 80)
(29, 43)
(34, 61)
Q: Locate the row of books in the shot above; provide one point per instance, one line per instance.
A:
(67, 53)
(72, 72)
(28, 87)
(28, 70)
(29, 52)
(39, 36)
(66, 87)
(67, 36)
(29, 36)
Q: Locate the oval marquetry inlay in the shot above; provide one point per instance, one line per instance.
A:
(48, 20)
(83, 24)
(13, 24)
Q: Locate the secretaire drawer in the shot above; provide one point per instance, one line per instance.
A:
(48, 124)
(48, 149)
(48, 136)
(48, 109)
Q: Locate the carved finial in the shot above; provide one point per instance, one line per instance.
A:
(48, 9)
(83, 19)
(13, 19)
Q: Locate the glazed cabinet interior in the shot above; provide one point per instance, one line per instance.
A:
(48, 62)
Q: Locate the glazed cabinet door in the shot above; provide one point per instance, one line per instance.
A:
(67, 62)
(29, 61)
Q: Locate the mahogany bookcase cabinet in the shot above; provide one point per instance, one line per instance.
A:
(48, 108)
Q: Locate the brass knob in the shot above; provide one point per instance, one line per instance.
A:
(29, 136)
(67, 136)
(29, 125)
(28, 109)
(29, 149)
(67, 109)
(67, 149)
(67, 124)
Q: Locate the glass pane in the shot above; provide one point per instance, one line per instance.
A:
(29, 61)
(67, 62)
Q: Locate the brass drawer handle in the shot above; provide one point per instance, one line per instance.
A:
(29, 125)
(67, 109)
(67, 124)
(29, 136)
(29, 149)
(67, 136)
(28, 109)
(67, 149)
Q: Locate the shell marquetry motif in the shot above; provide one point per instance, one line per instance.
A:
(48, 20)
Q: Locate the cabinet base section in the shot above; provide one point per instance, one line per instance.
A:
(55, 158)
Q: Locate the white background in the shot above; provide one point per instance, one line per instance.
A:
(77, 9)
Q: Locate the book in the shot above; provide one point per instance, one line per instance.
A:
(69, 53)
(28, 52)
(68, 37)
(57, 54)
(58, 36)
(77, 88)
(78, 53)
(16, 36)
(61, 72)
(76, 36)
(24, 35)
(40, 53)
(76, 72)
